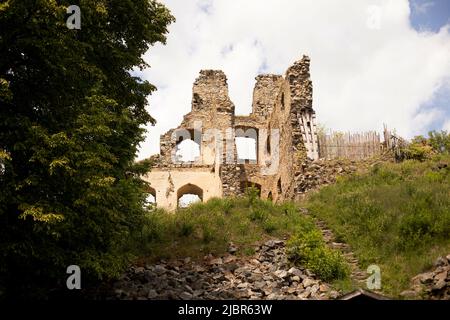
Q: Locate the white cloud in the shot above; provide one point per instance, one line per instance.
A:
(446, 126)
(366, 70)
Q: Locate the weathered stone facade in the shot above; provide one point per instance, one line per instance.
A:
(282, 122)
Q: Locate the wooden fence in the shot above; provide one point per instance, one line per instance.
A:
(349, 145)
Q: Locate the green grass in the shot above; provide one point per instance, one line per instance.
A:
(396, 216)
(204, 228)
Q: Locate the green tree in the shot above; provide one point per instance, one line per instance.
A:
(439, 141)
(71, 120)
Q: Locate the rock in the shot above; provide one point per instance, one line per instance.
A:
(305, 294)
(295, 278)
(139, 270)
(197, 293)
(231, 267)
(439, 285)
(185, 296)
(442, 276)
(259, 285)
(272, 296)
(323, 288)
(448, 258)
(118, 292)
(270, 244)
(281, 273)
(243, 285)
(333, 294)
(295, 272)
(217, 261)
(314, 288)
(426, 277)
(307, 282)
(152, 294)
(441, 261)
(256, 296)
(229, 259)
(159, 269)
(265, 275)
(232, 248)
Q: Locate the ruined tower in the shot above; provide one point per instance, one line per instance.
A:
(282, 122)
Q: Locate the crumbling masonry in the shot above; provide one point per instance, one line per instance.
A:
(282, 122)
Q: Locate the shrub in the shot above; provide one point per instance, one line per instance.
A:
(252, 194)
(418, 151)
(258, 214)
(309, 249)
(186, 228)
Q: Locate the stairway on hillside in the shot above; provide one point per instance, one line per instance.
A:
(358, 275)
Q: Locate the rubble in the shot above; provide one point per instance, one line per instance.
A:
(265, 275)
(432, 285)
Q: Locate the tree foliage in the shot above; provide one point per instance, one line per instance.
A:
(71, 120)
(422, 148)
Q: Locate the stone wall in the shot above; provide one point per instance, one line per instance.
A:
(282, 117)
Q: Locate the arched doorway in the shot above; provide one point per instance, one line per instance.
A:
(150, 200)
(188, 194)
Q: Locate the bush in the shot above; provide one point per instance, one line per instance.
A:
(309, 249)
(418, 151)
(422, 148)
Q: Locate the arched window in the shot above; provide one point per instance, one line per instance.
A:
(279, 189)
(188, 144)
(188, 194)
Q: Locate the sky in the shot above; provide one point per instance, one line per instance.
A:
(372, 62)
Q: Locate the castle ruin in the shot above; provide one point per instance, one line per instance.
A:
(282, 122)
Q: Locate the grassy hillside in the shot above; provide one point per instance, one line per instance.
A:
(204, 228)
(208, 227)
(396, 216)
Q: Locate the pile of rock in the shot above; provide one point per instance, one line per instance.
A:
(265, 275)
(322, 172)
(434, 285)
(313, 174)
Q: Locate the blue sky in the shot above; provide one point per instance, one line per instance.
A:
(429, 15)
(372, 61)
